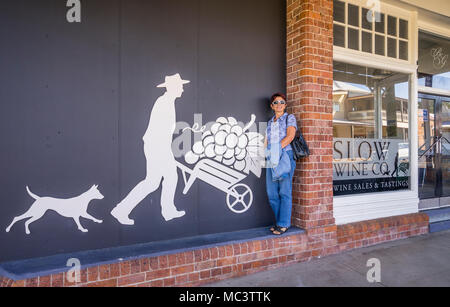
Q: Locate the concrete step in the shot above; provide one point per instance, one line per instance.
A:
(439, 219)
(440, 226)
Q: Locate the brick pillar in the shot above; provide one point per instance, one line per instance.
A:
(309, 91)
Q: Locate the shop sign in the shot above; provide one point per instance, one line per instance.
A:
(369, 165)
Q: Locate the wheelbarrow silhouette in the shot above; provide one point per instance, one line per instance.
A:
(239, 196)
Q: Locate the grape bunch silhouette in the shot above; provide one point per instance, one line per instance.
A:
(227, 142)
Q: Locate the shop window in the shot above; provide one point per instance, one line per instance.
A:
(403, 50)
(353, 39)
(392, 48)
(339, 11)
(392, 26)
(366, 23)
(353, 15)
(379, 44)
(379, 24)
(339, 35)
(371, 130)
(366, 42)
(403, 29)
(358, 29)
(434, 61)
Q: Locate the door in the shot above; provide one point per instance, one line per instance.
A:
(444, 127)
(434, 151)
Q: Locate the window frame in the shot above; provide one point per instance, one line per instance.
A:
(388, 11)
(355, 208)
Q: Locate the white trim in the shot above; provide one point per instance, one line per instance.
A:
(413, 118)
(414, 40)
(433, 6)
(355, 208)
(385, 8)
(433, 91)
(434, 28)
(372, 60)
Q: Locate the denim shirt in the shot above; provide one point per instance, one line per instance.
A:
(277, 131)
(278, 161)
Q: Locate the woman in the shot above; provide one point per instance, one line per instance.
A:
(281, 129)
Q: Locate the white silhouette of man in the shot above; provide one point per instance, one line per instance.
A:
(161, 165)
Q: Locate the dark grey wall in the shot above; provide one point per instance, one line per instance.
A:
(75, 101)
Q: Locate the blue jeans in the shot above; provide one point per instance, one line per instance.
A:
(280, 195)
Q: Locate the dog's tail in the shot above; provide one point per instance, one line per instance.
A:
(31, 194)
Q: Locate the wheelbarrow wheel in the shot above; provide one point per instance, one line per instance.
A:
(239, 198)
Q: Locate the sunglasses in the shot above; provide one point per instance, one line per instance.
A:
(282, 102)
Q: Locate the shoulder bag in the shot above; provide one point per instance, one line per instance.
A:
(299, 146)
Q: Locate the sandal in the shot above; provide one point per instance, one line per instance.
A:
(280, 230)
(273, 228)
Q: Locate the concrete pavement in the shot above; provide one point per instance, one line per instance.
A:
(421, 261)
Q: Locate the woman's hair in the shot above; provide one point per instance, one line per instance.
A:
(274, 96)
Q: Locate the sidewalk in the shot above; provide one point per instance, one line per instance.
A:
(421, 261)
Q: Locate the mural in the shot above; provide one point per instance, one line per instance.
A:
(74, 208)
(80, 108)
(224, 157)
(161, 164)
(224, 152)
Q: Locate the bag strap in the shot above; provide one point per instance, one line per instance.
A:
(286, 120)
(287, 117)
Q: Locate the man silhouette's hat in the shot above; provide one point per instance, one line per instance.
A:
(173, 81)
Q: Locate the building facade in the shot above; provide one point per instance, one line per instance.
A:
(382, 64)
(367, 80)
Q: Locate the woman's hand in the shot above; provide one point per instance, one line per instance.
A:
(290, 136)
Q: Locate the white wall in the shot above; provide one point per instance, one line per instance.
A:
(437, 6)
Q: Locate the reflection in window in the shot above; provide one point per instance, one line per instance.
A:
(395, 103)
(356, 92)
(370, 130)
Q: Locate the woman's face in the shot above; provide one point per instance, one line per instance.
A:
(277, 106)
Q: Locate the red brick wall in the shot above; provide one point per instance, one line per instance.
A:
(373, 232)
(5, 282)
(309, 91)
(195, 268)
(189, 268)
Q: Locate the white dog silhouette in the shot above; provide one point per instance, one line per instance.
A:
(71, 208)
